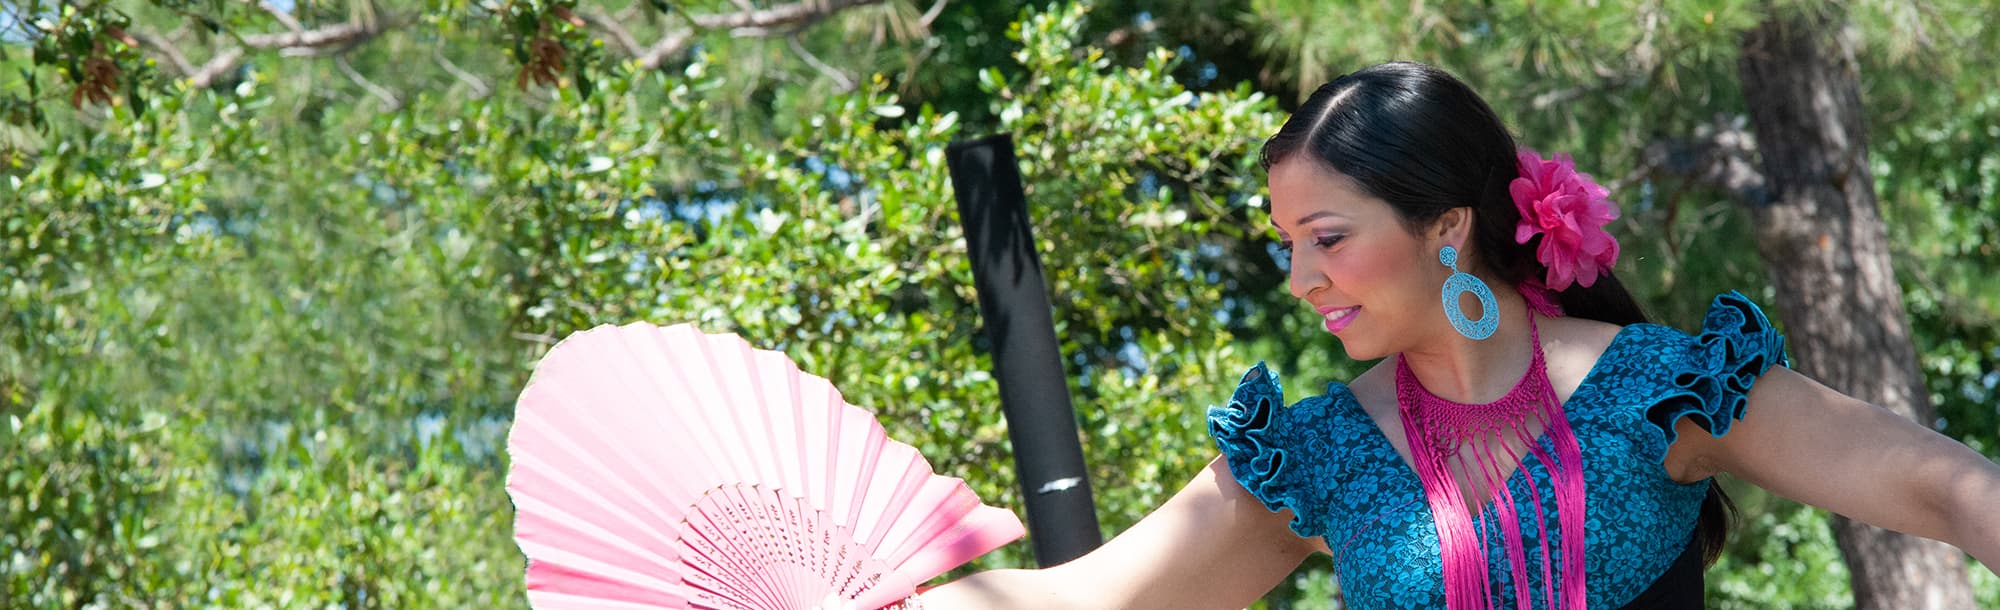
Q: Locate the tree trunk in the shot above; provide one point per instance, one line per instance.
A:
(1828, 253)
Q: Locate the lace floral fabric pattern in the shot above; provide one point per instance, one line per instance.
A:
(1325, 459)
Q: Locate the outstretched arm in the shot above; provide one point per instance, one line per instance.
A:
(1211, 546)
(1805, 441)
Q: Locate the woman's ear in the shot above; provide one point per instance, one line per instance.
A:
(1454, 226)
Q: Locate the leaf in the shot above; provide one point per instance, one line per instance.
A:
(944, 124)
(135, 97)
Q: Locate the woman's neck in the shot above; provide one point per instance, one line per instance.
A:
(1463, 370)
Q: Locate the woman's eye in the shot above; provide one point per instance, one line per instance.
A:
(1327, 241)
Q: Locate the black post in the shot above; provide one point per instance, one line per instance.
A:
(1014, 301)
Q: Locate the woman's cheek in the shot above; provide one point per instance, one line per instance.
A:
(1359, 272)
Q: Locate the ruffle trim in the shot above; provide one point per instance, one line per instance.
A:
(1737, 345)
(1244, 432)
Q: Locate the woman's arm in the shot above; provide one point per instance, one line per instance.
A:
(1211, 546)
(1804, 441)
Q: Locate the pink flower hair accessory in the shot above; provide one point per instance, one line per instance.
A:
(1569, 211)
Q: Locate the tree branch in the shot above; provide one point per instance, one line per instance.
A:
(332, 35)
(479, 87)
(541, 338)
(222, 63)
(201, 77)
(389, 100)
(282, 17)
(747, 23)
(840, 81)
(609, 25)
(797, 13)
(1605, 83)
(671, 44)
(297, 41)
(930, 16)
(1721, 154)
(164, 50)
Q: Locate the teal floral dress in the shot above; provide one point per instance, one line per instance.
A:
(1325, 459)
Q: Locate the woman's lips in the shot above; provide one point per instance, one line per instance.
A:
(1337, 318)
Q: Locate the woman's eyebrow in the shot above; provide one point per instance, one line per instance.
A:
(1309, 218)
(1317, 215)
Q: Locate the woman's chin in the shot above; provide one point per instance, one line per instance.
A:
(1359, 351)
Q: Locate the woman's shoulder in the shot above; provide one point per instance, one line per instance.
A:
(1733, 328)
(1259, 419)
(1259, 407)
(1287, 455)
(1571, 348)
(1664, 373)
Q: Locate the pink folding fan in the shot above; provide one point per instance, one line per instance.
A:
(667, 468)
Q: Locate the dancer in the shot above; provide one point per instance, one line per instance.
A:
(1527, 440)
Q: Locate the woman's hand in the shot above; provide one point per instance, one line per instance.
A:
(1212, 545)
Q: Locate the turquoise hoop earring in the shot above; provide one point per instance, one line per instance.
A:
(1461, 282)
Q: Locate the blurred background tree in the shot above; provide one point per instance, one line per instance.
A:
(272, 272)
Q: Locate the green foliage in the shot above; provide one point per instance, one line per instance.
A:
(1938, 171)
(219, 346)
(849, 256)
(243, 314)
(1781, 550)
(262, 337)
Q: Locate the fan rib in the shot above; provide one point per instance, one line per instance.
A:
(666, 467)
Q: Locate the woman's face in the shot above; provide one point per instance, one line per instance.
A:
(1355, 262)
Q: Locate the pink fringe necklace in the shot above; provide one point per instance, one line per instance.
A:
(1446, 437)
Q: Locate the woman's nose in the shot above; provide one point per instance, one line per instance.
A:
(1304, 280)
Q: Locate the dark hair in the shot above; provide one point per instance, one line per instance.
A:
(1416, 137)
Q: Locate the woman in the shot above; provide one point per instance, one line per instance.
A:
(1522, 413)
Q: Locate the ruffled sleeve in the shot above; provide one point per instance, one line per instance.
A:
(1711, 386)
(1276, 452)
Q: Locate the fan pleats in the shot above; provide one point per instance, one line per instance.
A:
(668, 468)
